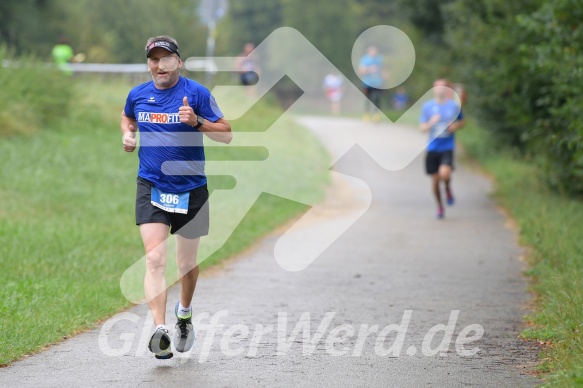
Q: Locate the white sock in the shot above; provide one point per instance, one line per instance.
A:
(161, 327)
(183, 312)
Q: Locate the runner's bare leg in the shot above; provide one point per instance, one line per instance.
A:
(154, 236)
(186, 253)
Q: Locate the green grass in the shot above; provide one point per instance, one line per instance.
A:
(552, 226)
(67, 230)
(31, 95)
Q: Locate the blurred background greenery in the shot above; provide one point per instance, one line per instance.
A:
(520, 61)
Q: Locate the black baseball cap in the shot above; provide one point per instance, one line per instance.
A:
(164, 44)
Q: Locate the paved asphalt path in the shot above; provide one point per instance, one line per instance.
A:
(396, 263)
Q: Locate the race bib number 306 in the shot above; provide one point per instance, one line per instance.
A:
(172, 203)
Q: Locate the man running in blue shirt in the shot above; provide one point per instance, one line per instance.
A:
(441, 117)
(372, 76)
(172, 113)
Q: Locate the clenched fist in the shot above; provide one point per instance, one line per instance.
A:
(129, 139)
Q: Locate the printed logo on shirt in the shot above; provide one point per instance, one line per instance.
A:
(158, 118)
(152, 99)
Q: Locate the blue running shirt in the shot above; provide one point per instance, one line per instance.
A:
(375, 78)
(439, 138)
(163, 138)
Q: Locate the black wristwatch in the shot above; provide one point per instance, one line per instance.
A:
(199, 121)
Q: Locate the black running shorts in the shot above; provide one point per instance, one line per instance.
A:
(434, 159)
(191, 225)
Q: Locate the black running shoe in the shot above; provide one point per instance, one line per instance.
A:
(160, 344)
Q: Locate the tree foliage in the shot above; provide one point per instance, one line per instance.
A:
(553, 54)
(522, 62)
(106, 31)
(29, 26)
(490, 64)
(250, 21)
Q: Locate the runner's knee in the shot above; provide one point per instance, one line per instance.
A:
(155, 261)
(186, 265)
(444, 172)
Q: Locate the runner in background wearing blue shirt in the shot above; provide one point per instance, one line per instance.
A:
(372, 76)
(172, 113)
(441, 117)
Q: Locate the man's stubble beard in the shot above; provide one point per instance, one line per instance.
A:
(166, 84)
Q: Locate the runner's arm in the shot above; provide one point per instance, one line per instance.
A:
(456, 125)
(128, 129)
(219, 131)
(426, 126)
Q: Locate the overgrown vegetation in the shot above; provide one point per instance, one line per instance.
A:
(32, 96)
(523, 62)
(550, 224)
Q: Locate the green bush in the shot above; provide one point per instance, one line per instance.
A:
(485, 38)
(33, 94)
(523, 62)
(554, 51)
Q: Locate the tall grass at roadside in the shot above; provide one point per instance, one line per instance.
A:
(552, 226)
(67, 230)
(32, 95)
